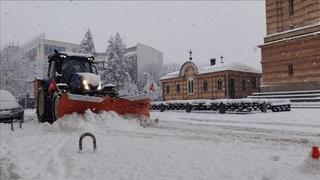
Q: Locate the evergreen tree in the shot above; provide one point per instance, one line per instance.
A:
(87, 44)
(116, 71)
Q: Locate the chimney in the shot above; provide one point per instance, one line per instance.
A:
(213, 61)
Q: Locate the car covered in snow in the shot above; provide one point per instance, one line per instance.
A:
(10, 109)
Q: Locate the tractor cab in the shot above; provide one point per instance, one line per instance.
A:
(74, 72)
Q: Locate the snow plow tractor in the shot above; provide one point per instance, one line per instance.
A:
(72, 85)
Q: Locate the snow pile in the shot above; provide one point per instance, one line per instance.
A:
(310, 166)
(182, 146)
(308, 169)
(8, 169)
(91, 122)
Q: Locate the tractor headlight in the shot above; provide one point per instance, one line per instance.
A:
(86, 84)
(99, 86)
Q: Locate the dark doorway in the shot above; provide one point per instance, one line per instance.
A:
(232, 94)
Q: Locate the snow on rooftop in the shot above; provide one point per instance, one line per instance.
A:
(233, 66)
(174, 74)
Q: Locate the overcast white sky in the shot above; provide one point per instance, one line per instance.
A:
(233, 29)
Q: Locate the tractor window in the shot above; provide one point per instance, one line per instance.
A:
(53, 70)
(71, 66)
(94, 69)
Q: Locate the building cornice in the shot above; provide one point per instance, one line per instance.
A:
(317, 33)
(292, 33)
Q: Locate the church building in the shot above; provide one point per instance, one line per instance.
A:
(218, 81)
(291, 50)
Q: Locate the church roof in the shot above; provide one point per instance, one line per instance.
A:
(233, 66)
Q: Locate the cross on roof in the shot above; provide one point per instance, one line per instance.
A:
(190, 52)
(221, 57)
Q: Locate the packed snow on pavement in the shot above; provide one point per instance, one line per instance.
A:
(263, 146)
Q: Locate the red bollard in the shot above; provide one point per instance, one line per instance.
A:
(315, 153)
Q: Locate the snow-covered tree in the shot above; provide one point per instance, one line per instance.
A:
(16, 70)
(132, 68)
(116, 71)
(129, 88)
(87, 44)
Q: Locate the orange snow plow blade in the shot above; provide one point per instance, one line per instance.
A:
(70, 103)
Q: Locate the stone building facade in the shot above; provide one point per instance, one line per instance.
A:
(291, 50)
(40, 47)
(218, 81)
(145, 60)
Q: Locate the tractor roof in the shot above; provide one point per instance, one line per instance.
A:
(64, 54)
(76, 54)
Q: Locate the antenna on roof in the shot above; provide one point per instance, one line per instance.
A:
(190, 52)
(221, 57)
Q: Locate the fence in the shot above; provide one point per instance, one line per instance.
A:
(224, 105)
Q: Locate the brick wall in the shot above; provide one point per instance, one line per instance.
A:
(304, 55)
(305, 13)
(212, 79)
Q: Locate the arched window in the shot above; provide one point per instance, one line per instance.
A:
(190, 86)
(168, 90)
(243, 84)
(254, 83)
(205, 85)
(178, 88)
(220, 82)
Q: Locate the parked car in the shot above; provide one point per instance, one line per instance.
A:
(10, 109)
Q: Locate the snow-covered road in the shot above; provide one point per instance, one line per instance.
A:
(182, 146)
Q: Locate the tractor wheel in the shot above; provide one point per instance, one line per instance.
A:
(41, 104)
(55, 107)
